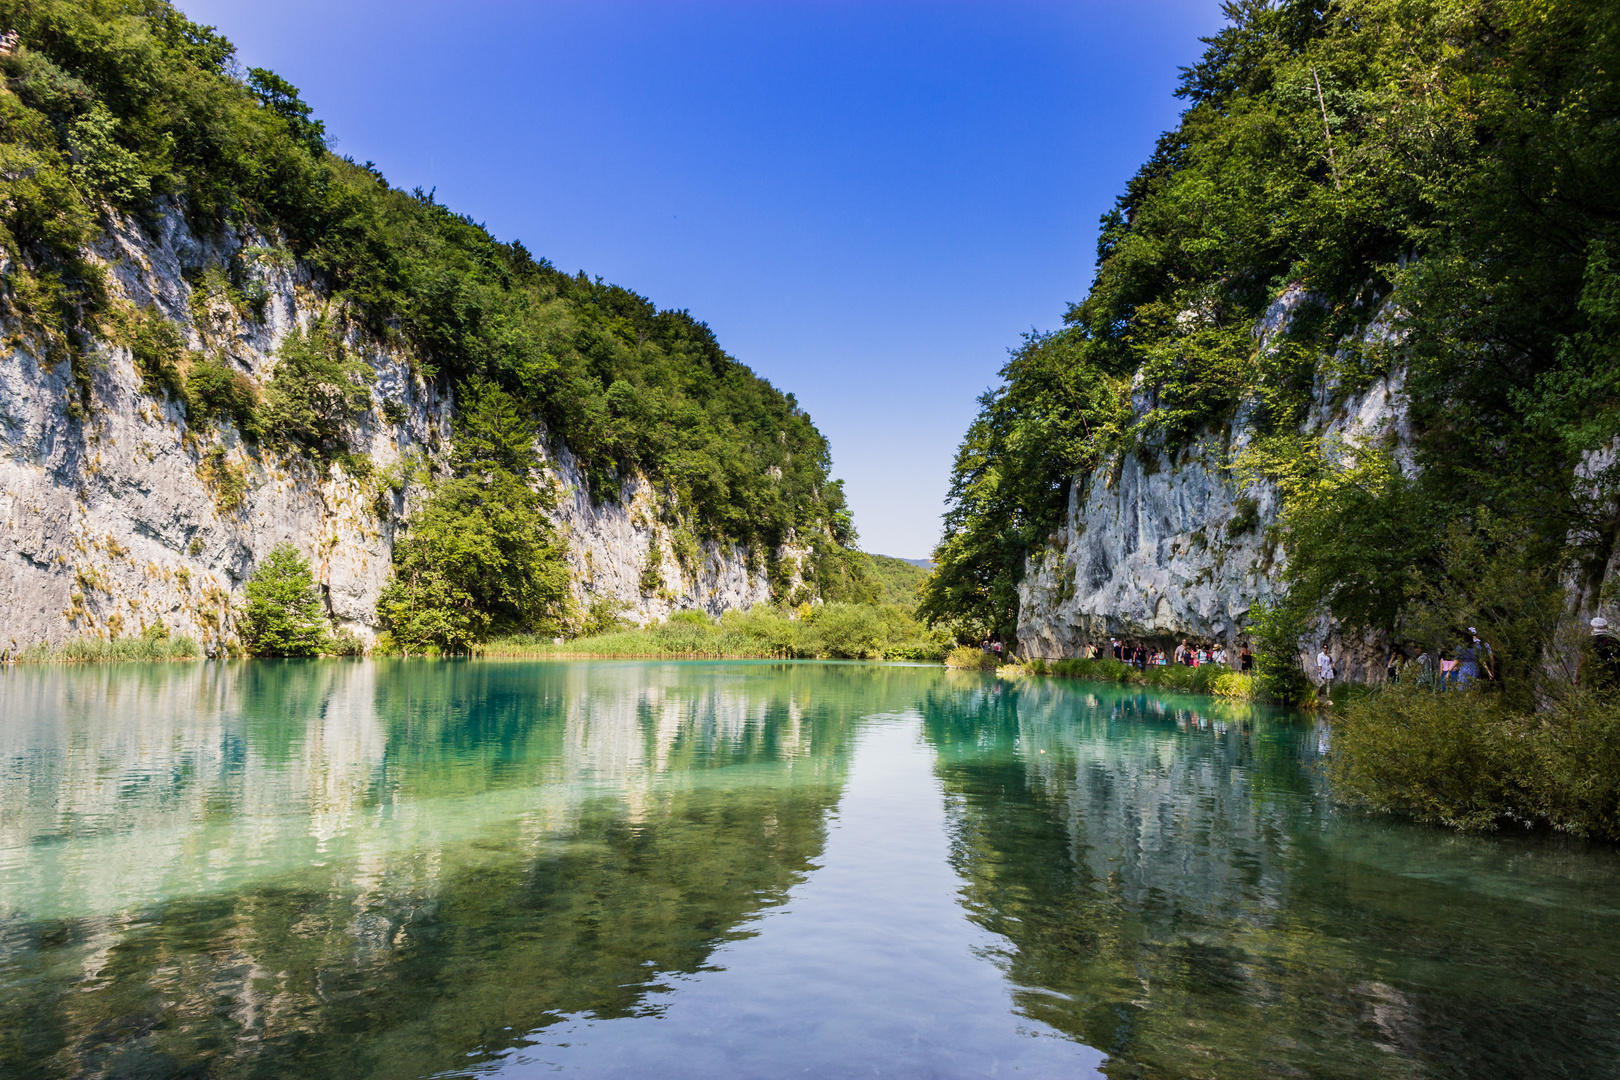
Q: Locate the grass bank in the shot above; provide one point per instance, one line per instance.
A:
(104, 650)
(821, 631)
(1468, 760)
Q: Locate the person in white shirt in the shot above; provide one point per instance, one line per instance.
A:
(1324, 668)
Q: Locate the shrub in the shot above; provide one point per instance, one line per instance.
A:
(971, 658)
(850, 631)
(482, 556)
(1232, 684)
(1468, 760)
(347, 643)
(158, 349)
(216, 392)
(316, 391)
(1279, 676)
(283, 616)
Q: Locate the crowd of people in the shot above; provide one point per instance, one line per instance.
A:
(1447, 669)
(1474, 659)
(1455, 668)
(1193, 654)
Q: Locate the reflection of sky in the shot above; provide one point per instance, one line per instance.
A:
(870, 968)
(122, 788)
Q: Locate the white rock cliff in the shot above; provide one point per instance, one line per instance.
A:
(1157, 545)
(129, 516)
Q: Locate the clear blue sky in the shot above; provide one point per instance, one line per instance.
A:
(868, 202)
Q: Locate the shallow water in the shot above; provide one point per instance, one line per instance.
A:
(399, 869)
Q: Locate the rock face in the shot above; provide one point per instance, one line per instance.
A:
(124, 515)
(1160, 546)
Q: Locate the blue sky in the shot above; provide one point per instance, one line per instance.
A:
(868, 202)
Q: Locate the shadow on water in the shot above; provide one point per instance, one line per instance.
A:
(1175, 888)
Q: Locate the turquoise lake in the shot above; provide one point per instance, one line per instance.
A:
(341, 869)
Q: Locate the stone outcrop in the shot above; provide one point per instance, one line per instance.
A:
(122, 515)
(1161, 545)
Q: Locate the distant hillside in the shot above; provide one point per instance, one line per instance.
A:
(898, 579)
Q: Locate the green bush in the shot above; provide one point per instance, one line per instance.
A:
(482, 557)
(840, 631)
(1279, 675)
(217, 392)
(316, 391)
(158, 350)
(971, 658)
(1466, 759)
(1207, 679)
(283, 616)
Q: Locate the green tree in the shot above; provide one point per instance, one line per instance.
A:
(482, 556)
(316, 391)
(283, 615)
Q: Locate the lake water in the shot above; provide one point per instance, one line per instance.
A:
(748, 869)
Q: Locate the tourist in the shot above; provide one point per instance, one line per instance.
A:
(1607, 651)
(1220, 658)
(1448, 668)
(1246, 659)
(1467, 668)
(1392, 666)
(1140, 657)
(1324, 669)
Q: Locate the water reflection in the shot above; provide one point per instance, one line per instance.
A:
(258, 862)
(413, 869)
(1174, 888)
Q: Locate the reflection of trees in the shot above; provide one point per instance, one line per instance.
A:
(324, 869)
(1172, 889)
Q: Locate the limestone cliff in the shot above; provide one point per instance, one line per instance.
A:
(1163, 545)
(124, 514)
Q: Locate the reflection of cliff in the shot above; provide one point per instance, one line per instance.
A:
(369, 869)
(1172, 889)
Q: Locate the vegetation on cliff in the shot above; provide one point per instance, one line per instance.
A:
(125, 107)
(1442, 181)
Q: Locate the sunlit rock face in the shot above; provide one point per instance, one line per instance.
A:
(1163, 545)
(130, 515)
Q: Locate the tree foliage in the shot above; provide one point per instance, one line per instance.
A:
(1449, 172)
(482, 556)
(283, 615)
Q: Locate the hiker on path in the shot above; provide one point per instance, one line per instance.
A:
(1468, 661)
(1324, 668)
